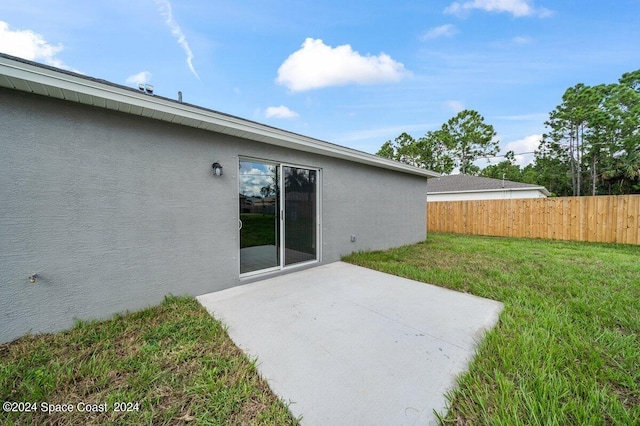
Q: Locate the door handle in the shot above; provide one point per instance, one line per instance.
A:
(239, 224)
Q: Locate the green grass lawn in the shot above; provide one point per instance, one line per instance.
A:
(566, 350)
(174, 360)
(257, 230)
(260, 229)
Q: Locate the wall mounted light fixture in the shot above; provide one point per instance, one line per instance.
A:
(217, 169)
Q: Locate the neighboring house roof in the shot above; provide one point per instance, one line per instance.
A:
(28, 76)
(465, 183)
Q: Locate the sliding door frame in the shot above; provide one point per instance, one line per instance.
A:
(282, 215)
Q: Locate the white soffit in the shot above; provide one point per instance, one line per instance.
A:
(46, 81)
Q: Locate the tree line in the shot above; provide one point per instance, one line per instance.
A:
(591, 145)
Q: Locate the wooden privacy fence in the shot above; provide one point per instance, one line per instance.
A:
(614, 218)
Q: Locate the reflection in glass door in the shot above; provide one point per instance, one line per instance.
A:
(259, 216)
(278, 227)
(299, 214)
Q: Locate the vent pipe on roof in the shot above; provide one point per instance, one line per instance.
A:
(503, 179)
(145, 88)
(179, 96)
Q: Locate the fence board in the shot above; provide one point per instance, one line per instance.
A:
(607, 218)
(634, 220)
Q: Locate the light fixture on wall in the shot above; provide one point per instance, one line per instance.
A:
(217, 169)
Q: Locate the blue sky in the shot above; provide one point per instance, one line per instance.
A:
(354, 73)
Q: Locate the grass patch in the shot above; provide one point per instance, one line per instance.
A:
(260, 230)
(257, 230)
(567, 347)
(174, 360)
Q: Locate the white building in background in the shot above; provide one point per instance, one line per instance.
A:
(464, 187)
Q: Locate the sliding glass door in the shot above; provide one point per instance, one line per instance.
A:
(278, 215)
(259, 216)
(300, 215)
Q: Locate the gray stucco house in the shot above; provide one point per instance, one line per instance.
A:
(112, 198)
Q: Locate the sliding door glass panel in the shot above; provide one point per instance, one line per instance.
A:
(300, 190)
(259, 216)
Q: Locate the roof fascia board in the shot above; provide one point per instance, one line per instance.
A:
(221, 123)
(532, 188)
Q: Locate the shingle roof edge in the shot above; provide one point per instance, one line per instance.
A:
(122, 98)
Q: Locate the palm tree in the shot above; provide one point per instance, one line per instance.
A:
(625, 169)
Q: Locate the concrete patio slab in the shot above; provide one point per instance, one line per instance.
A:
(346, 345)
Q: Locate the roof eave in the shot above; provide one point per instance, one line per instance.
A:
(30, 77)
(532, 188)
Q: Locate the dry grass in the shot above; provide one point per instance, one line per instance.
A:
(174, 360)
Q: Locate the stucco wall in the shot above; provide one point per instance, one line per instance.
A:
(114, 211)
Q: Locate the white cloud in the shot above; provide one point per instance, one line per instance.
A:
(528, 145)
(517, 8)
(521, 40)
(142, 77)
(167, 13)
(523, 148)
(29, 45)
(252, 180)
(280, 112)
(455, 106)
(447, 30)
(317, 65)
